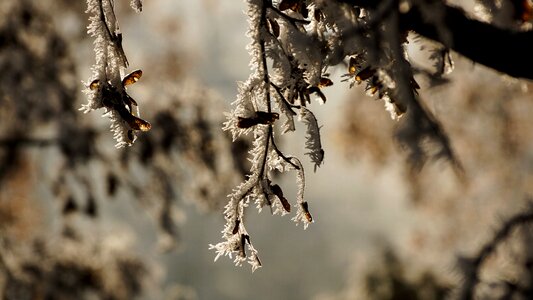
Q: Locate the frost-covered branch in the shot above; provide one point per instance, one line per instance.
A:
(505, 50)
(107, 86)
(282, 38)
(293, 44)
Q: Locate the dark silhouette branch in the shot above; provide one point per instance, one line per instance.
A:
(474, 264)
(507, 51)
(504, 50)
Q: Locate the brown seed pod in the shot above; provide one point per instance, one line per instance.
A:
(264, 117)
(139, 124)
(365, 74)
(134, 122)
(261, 117)
(95, 84)
(352, 66)
(324, 82)
(132, 77)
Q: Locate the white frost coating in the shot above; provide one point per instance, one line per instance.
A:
(391, 108)
(253, 33)
(252, 188)
(312, 143)
(243, 108)
(120, 129)
(386, 79)
(306, 50)
(258, 149)
(288, 124)
(301, 214)
(260, 194)
(236, 238)
(94, 99)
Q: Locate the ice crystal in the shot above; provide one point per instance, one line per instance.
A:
(313, 143)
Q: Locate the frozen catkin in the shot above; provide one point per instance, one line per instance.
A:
(107, 86)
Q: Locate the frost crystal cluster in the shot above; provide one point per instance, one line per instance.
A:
(107, 86)
(293, 43)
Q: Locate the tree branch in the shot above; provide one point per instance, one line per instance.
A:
(504, 50)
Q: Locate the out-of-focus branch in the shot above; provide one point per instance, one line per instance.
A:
(504, 50)
(471, 267)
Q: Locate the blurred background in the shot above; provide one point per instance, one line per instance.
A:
(81, 219)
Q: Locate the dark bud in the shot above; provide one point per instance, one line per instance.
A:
(324, 82)
(243, 244)
(110, 96)
(236, 228)
(138, 123)
(247, 239)
(365, 74)
(246, 122)
(266, 117)
(352, 66)
(306, 211)
(374, 86)
(261, 117)
(276, 189)
(95, 84)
